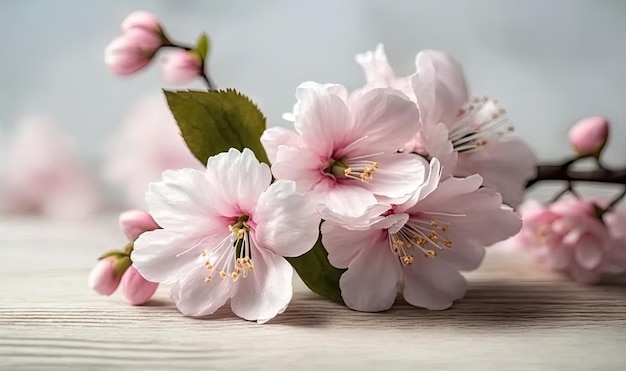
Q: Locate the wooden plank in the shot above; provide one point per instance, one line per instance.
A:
(515, 317)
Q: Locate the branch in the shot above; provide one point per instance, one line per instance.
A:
(561, 172)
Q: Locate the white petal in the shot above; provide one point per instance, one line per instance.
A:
(267, 291)
(239, 177)
(430, 183)
(346, 200)
(383, 120)
(160, 254)
(432, 284)
(322, 118)
(372, 215)
(370, 283)
(376, 67)
(272, 138)
(196, 298)
(399, 175)
(183, 200)
(287, 222)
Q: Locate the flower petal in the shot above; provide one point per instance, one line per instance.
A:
(589, 252)
(438, 145)
(383, 120)
(160, 255)
(432, 284)
(287, 222)
(377, 70)
(505, 166)
(267, 291)
(348, 200)
(300, 165)
(439, 86)
(273, 138)
(344, 245)
(196, 298)
(398, 177)
(370, 283)
(321, 118)
(183, 201)
(238, 177)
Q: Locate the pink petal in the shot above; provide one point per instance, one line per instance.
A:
(160, 255)
(428, 186)
(272, 138)
(589, 252)
(383, 120)
(239, 178)
(449, 189)
(286, 222)
(370, 283)
(349, 200)
(196, 298)
(505, 166)
(322, 118)
(344, 245)
(184, 201)
(432, 284)
(267, 291)
(102, 278)
(377, 70)
(439, 86)
(137, 289)
(437, 144)
(300, 165)
(372, 215)
(398, 177)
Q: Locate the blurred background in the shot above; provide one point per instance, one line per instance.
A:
(550, 63)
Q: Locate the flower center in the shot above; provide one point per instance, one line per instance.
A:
(479, 122)
(426, 233)
(231, 257)
(359, 168)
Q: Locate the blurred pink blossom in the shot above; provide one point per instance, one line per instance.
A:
(589, 135)
(568, 236)
(42, 173)
(135, 222)
(147, 143)
(137, 290)
(141, 19)
(180, 67)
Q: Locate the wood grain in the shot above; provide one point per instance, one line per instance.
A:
(515, 317)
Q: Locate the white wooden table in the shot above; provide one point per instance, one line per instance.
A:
(515, 317)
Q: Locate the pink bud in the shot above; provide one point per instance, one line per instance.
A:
(589, 135)
(135, 222)
(102, 278)
(180, 67)
(141, 19)
(123, 56)
(137, 289)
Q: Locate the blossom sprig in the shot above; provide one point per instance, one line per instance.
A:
(143, 36)
(397, 185)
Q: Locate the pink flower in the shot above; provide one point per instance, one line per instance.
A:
(180, 67)
(568, 236)
(588, 136)
(147, 143)
(343, 154)
(225, 232)
(379, 74)
(135, 222)
(475, 128)
(102, 278)
(42, 173)
(137, 289)
(424, 243)
(142, 19)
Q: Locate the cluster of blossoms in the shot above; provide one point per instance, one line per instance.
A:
(404, 182)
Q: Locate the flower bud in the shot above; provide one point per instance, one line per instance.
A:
(141, 19)
(180, 67)
(135, 222)
(102, 278)
(589, 135)
(123, 56)
(137, 289)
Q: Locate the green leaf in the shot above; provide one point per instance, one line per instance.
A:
(215, 121)
(202, 46)
(317, 273)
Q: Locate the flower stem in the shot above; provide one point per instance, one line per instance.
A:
(561, 172)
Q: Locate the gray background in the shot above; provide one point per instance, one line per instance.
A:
(549, 62)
